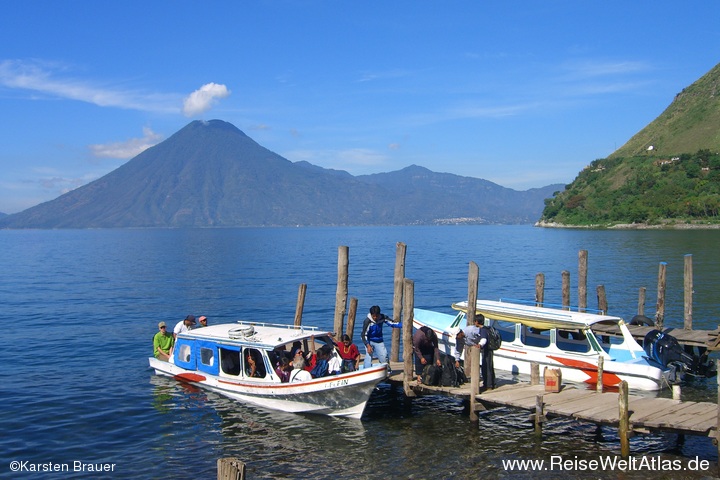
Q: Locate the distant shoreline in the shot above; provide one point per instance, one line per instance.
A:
(636, 226)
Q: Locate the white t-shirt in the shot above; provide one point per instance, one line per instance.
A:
(300, 375)
(180, 327)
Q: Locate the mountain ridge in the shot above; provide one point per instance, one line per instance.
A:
(211, 174)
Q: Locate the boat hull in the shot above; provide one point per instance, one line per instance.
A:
(342, 395)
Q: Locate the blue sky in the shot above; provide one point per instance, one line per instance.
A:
(523, 94)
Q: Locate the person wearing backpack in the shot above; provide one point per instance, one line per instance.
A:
(487, 369)
(426, 348)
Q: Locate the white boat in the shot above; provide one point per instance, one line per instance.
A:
(554, 338)
(215, 358)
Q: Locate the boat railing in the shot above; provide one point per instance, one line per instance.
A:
(302, 328)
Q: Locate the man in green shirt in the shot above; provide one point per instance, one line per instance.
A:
(163, 343)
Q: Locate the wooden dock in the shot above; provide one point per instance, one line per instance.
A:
(707, 339)
(645, 414)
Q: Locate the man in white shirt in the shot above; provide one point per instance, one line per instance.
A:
(184, 325)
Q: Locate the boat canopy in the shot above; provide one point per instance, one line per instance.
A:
(537, 317)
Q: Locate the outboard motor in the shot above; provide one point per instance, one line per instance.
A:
(665, 350)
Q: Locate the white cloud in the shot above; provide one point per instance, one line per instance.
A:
(128, 148)
(204, 98)
(48, 78)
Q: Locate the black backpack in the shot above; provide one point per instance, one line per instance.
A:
(449, 373)
(494, 338)
(431, 375)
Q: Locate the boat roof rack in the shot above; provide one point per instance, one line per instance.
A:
(277, 325)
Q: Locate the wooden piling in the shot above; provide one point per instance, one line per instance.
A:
(601, 369)
(688, 287)
(341, 293)
(641, 301)
(400, 252)
(624, 420)
(472, 356)
(534, 373)
(407, 326)
(352, 313)
(582, 280)
(660, 307)
(566, 290)
(230, 468)
(539, 417)
(602, 299)
(539, 289)
(473, 275)
(302, 290)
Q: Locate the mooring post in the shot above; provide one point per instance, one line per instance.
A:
(534, 373)
(341, 294)
(408, 306)
(302, 290)
(601, 368)
(473, 357)
(566, 290)
(624, 417)
(582, 280)
(473, 275)
(602, 299)
(539, 416)
(230, 468)
(688, 287)
(660, 308)
(352, 313)
(641, 301)
(539, 289)
(676, 392)
(400, 251)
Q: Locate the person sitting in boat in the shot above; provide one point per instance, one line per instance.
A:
(349, 354)
(426, 349)
(321, 364)
(253, 364)
(333, 359)
(372, 335)
(184, 325)
(203, 321)
(163, 343)
(296, 346)
(299, 374)
(283, 370)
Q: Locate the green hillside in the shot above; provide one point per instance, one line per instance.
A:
(668, 173)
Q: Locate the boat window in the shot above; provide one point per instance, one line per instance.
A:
(207, 356)
(230, 361)
(184, 353)
(252, 356)
(535, 337)
(572, 341)
(506, 329)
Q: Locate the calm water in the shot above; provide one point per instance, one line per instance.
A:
(81, 308)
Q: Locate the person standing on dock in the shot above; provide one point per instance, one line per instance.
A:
(487, 369)
(372, 335)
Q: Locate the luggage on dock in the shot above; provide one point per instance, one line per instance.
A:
(449, 374)
(431, 375)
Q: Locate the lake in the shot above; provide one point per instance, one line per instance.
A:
(81, 307)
